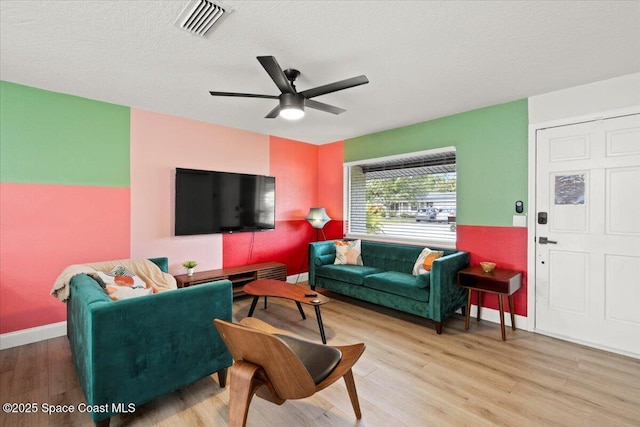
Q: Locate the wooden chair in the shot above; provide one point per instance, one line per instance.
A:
(276, 366)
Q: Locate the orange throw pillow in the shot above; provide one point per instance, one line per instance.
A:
(428, 261)
(123, 280)
(425, 261)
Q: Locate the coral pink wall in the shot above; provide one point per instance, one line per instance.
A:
(45, 228)
(507, 247)
(306, 176)
(330, 187)
(286, 244)
(295, 166)
(330, 176)
(160, 144)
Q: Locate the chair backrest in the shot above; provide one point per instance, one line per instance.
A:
(284, 370)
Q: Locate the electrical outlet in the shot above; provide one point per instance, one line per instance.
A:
(519, 220)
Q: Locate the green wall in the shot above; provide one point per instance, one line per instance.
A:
(52, 138)
(491, 145)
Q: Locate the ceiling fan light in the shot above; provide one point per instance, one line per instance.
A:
(291, 106)
(291, 113)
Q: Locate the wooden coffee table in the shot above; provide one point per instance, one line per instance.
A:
(279, 289)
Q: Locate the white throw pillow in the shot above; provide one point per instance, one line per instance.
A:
(116, 292)
(348, 252)
(123, 287)
(136, 282)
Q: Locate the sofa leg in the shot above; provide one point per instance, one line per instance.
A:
(222, 377)
(103, 423)
(438, 328)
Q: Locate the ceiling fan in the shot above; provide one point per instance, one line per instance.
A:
(292, 102)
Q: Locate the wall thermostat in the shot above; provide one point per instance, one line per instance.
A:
(519, 206)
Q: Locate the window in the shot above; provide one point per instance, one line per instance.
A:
(408, 198)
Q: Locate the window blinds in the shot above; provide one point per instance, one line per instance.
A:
(412, 197)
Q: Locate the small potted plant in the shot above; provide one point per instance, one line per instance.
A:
(190, 266)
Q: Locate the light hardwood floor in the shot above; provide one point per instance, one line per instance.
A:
(408, 376)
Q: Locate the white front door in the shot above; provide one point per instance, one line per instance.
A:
(588, 211)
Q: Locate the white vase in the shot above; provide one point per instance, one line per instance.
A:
(190, 271)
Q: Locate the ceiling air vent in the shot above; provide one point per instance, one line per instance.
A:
(199, 16)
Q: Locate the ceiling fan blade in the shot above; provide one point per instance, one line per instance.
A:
(323, 107)
(334, 87)
(243, 95)
(273, 113)
(275, 72)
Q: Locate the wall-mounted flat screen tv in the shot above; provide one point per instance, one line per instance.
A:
(210, 202)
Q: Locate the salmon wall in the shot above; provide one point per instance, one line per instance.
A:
(64, 196)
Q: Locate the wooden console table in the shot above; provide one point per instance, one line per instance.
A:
(500, 282)
(239, 276)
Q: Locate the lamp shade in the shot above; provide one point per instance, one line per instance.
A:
(317, 217)
(291, 106)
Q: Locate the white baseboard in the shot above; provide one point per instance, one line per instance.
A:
(31, 335)
(298, 278)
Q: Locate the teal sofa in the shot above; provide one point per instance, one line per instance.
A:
(131, 351)
(386, 278)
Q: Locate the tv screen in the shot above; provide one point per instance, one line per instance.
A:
(210, 202)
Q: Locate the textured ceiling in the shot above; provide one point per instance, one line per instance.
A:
(424, 59)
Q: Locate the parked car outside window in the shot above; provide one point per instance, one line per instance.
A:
(431, 214)
(426, 214)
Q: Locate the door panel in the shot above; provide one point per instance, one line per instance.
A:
(623, 276)
(569, 148)
(587, 273)
(568, 281)
(623, 217)
(623, 142)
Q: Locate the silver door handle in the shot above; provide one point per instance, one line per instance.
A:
(544, 241)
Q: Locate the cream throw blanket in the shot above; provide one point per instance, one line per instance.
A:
(143, 268)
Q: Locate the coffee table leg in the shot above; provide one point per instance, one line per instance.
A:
(265, 303)
(320, 325)
(253, 305)
(300, 310)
